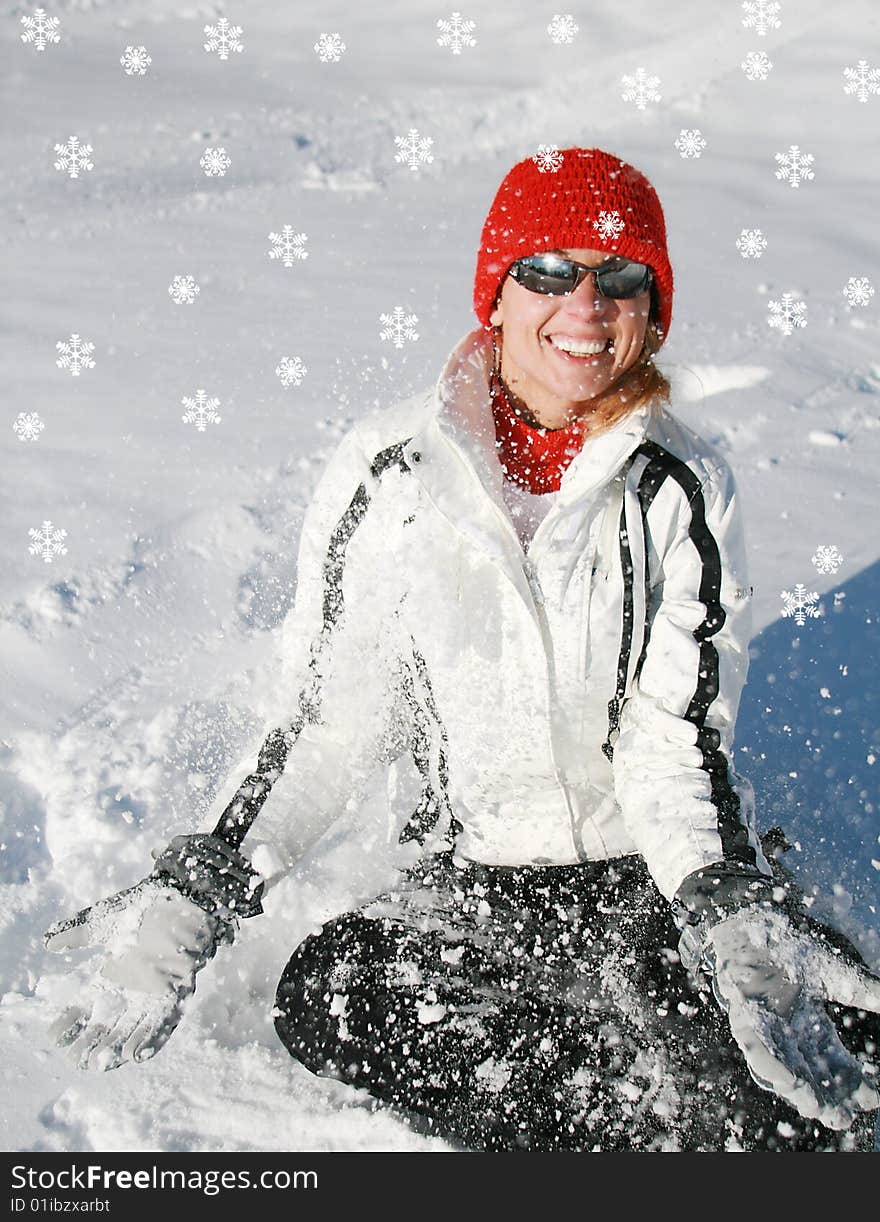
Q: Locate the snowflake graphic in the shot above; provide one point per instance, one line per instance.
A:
(200, 411)
(690, 142)
(787, 314)
(291, 371)
(135, 61)
(751, 243)
(800, 604)
(827, 559)
(398, 326)
(548, 158)
(456, 33)
(47, 542)
(329, 48)
(214, 162)
(73, 157)
(413, 148)
(609, 225)
(862, 80)
(562, 28)
(40, 29)
(761, 16)
(859, 291)
(640, 88)
(794, 166)
(756, 65)
(223, 38)
(183, 290)
(288, 246)
(76, 354)
(28, 426)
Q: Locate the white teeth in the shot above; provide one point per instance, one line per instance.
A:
(577, 348)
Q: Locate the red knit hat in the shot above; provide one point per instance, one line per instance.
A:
(592, 200)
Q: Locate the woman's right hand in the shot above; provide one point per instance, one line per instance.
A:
(156, 941)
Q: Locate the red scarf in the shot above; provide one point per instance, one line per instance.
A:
(532, 458)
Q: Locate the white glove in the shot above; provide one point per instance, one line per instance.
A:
(772, 979)
(156, 941)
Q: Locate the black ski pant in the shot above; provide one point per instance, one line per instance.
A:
(537, 1008)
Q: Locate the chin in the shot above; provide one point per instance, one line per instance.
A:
(589, 388)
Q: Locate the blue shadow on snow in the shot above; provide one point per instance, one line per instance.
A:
(808, 738)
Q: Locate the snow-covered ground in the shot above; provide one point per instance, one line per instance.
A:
(135, 664)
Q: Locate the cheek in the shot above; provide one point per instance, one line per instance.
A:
(524, 311)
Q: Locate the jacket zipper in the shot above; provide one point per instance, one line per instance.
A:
(538, 604)
(559, 773)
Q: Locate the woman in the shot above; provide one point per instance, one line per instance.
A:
(525, 594)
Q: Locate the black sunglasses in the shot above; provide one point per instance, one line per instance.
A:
(555, 275)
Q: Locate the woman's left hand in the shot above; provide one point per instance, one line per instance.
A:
(772, 979)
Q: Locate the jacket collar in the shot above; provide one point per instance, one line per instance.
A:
(462, 416)
(455, 459)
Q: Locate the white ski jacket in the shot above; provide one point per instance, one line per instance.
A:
(574, 702)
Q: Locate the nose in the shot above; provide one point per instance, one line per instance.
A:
(586, 293)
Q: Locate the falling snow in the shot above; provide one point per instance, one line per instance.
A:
(200, 411)
(794, 166)
(800, 604)
(291, 371)
(787, 314)
(414, 149)
(456, 33)
(640, 88)
(609, 225)
(214, 162)
(398, 326)
(548, 158)
(73, 157)
(28, 426)
(223, 38)
(40, 30)
(862, 80)
(760, 16)
(827, 558)
(751, 243)
(135, 61)
(562, 28)
(288, 246)
(75, 355)
(329, 48)
(214, 1076)
(183, 290)
(47, 542)
(858, 291)
(690, 142)
(757, 65)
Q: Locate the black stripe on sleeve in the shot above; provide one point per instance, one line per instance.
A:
(240, 813)
(663, 465)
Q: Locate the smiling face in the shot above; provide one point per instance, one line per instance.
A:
(557, 388)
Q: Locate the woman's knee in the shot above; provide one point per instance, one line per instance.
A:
(309, 1001)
